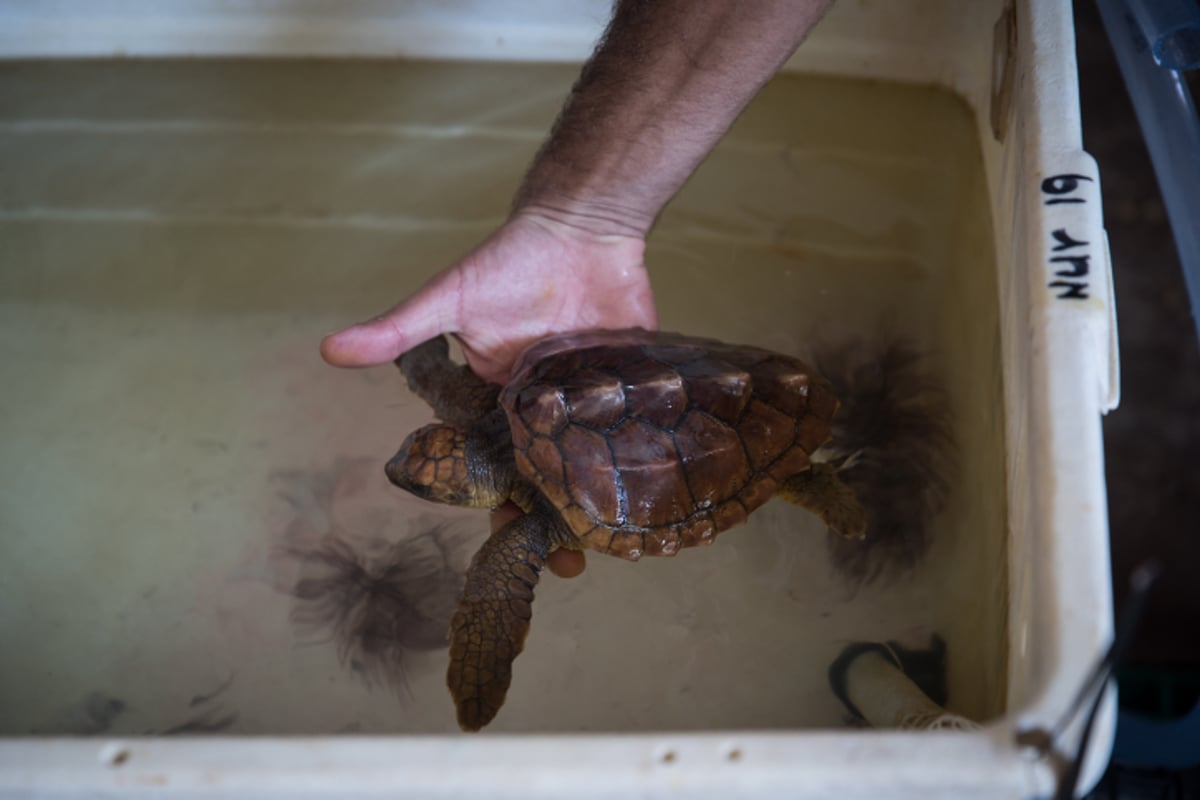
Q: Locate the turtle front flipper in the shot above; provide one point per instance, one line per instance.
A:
(488, 630)
(453, 391)
(819, 490)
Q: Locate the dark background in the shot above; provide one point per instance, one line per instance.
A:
(1152, 441)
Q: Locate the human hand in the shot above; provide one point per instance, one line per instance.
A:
(533, 277)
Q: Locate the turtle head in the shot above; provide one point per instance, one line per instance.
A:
(446, 463)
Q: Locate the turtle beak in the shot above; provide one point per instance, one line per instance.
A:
(395, 473)
(404, 468)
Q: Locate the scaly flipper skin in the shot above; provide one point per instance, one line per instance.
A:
(488, 630)
(455, 393)
(819, 490)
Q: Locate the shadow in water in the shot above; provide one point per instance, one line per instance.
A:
(377, 602)
(368, 571)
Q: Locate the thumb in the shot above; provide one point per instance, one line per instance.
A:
(429, 312)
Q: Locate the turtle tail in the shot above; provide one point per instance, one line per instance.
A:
(893, 445)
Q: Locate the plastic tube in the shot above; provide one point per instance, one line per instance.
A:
(887, 685)
(886, 698)
(1172, 28)
(1167, 115)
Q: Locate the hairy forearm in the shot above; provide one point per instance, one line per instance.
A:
(666, 82)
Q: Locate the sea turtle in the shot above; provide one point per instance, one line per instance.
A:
(627, 442)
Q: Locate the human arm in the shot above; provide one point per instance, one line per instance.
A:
(665, 83)
(667, 80)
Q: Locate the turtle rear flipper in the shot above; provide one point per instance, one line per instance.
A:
(489, 628)
(819, 490)
(453, 391)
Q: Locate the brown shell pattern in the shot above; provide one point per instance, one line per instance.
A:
(648, 442)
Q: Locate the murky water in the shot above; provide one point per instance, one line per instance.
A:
(189, 497)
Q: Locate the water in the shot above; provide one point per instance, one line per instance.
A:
(176, 237)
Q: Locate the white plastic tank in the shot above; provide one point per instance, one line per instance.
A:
(181, 472)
